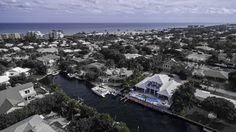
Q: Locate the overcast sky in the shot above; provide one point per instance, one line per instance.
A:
(210, 11)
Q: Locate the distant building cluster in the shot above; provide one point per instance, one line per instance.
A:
(11, 36)
(54, 34)
(196, 26)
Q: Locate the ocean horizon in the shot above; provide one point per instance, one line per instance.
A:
(72, 28)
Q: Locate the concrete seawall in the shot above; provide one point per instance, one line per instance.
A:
(168, 112)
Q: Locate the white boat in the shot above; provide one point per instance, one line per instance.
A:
(70, 75)
(54, 73)
(100, 91)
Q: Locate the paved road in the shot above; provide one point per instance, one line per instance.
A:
(221, 91)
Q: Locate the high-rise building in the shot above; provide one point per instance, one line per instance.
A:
(15, 35)
(36, 34)
(5, 36)
(56, 34)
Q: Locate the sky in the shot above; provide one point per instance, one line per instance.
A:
(100, 11)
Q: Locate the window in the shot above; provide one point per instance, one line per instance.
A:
(153, 85)
(27, 91)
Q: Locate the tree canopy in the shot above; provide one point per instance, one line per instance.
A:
(222, 107)
(182, 99)
(88, 120)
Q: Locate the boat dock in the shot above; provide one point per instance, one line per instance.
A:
(100, 91)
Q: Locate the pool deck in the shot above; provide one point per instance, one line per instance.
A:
(160, 108)
(150, 99)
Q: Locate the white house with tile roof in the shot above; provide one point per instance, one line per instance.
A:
(4, 80)
(159, 85)
(17, 72)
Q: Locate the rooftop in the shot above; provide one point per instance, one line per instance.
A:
(4, 79)
(34, 123)
(164, 84)
(11, 97)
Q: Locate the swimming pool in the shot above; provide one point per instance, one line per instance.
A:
(149, 99)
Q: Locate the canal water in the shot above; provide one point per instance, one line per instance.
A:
(134, 115)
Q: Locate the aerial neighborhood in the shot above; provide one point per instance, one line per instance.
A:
(177, 71)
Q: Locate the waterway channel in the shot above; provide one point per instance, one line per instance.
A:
(137, 117)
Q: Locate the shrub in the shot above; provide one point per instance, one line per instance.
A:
(222, 107)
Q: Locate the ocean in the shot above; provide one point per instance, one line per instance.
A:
(72, 28)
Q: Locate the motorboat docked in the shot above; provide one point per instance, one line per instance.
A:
(101, 91)
(54, 73)
(70, 75)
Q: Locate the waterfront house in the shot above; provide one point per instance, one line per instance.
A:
(118, 74)
(159, 85)
(35, 123)
(168, 65)
(4, 80)
(17, 72)
(49, 60)
(16, 97)
(95, 65)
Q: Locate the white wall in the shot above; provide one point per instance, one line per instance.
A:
(31, 93)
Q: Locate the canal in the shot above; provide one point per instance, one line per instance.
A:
(134, 115)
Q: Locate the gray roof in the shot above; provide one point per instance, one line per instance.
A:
(95, 65)
(34, 123)
(48, 50)
(216, 74)
(6, 106)
(11, 97)
(48, 57)
(24, 86)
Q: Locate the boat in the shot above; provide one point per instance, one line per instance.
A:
(54, 73)
(70, 75)
(99, 90)
(80, 100)
(207, 130)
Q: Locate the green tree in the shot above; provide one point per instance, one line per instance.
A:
(2, 69)
(133, 79)
(121, 127)
(222, 107)
(182, 99)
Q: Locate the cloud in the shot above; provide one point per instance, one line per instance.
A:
(24, 5)
(130, 9)
(128, 6)
(38, 2)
